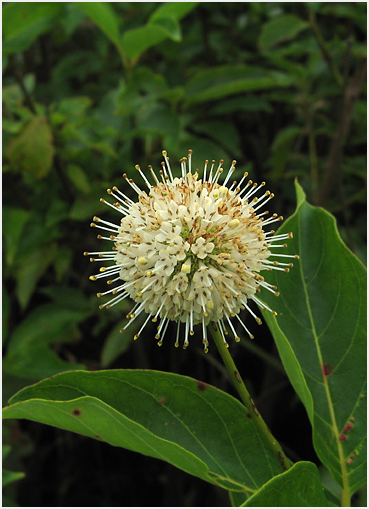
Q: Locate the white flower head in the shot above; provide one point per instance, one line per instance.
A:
(190, 250)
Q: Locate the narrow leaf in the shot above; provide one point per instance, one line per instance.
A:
(280, 29)
(226, 80)
(300, 486)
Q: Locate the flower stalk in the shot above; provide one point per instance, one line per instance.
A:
(246, 398)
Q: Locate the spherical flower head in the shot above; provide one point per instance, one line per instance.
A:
(190, 249)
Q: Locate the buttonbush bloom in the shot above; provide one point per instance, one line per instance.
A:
(190, 249)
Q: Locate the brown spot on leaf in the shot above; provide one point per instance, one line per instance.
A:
(76, 412)
(342, 437)
(327, 369)
(161, 400)
(248, 416)
(201, 386)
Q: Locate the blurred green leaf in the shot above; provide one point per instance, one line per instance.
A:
(117, 343)
(222, 132)
(282, 148)
(300, 486)
(62, 261)
(32, 150)
(5, 313)
(74, 107)
(68, 298)
(29, 355)
(280, 29)
(9, 477)
(159, 120)
(222, 81)
(162, 24)
(79, 178)
(145, 87)
(326, 330)
(177, 10)
(14, 221)
(85, 207)
(24, 22)
(29, 270)
(192, 425)
(170, 25)
(104, 16)
(248, 103)
(138, 40)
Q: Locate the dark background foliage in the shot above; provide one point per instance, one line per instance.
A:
(277, 86)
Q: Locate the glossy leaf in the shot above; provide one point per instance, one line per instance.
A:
(222, 81)
(280, 29)
(188, 423)
(320, 332)
(300, 486)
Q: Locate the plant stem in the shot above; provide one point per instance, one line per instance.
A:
(246, 398)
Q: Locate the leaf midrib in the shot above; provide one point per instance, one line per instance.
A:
(319, 353)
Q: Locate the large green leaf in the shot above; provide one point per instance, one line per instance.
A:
(188, 423)
(222, 81)
(320, 332)
(300, 486)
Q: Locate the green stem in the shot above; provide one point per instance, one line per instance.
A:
(345, 498)
(246, 398)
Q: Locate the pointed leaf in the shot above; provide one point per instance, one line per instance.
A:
(280, 29)
(300, 486)
(192, 425)
(226, 80)
(320, 332)
(105, 18)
